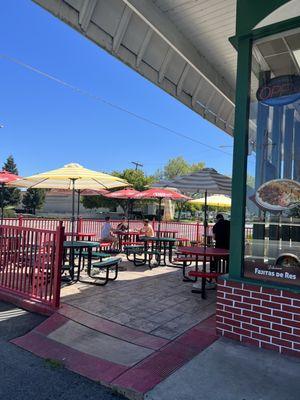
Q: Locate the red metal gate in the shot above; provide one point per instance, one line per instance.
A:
(30, 266)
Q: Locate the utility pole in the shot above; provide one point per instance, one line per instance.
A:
(137, 164)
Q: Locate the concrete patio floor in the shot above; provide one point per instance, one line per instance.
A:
(154, 301)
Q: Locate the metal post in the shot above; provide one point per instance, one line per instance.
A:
(73, 209)
(205, 218)
(78, 202)
(159, 215)
(2, 202)
(59, 241)
(240, 151)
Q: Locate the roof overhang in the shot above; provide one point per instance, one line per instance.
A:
(181, 46)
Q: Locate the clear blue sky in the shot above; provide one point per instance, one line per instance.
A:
(48, 125)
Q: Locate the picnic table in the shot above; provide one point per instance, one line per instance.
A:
(160, 247)
(78, 245)
(218, 257)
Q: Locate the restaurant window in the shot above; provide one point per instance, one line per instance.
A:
(272, 225)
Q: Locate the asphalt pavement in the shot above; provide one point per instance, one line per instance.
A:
(26, 377)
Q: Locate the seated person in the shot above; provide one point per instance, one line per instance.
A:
(106, 232)
(221, 231)
(147, 229)
(122, 226)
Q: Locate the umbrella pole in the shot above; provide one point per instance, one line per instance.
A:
(2, 202)
(205, 218)
(73, 209)
(128, 205)
(78, 203)
(159, 215)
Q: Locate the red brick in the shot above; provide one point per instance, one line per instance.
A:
(250, 341)
(293, 324)
(281, 342)
(262, 310)
(243, 332)
(233, 284)
(231, 335)
(291, 295)
(292, 338)
(261, 337)
(243, 305)
(223, 326)
(254, 288)
(224, 314)
(224, 289)
(242, 318)
(242, 292)
(282, 300)
(270, 332)
(296, 317)
(288, 352)
(232, 322)
(234, 297)
(219, 331)
(260, 322)
(296, 303)
(269, 346)
(251, 314)
(260, 296)
(297, 346)
(233, 310)
(250, 327)
(269, 304)
(251, 300)
(219, 319)
(219, 306)
(272, 319)
(275, 292)
(226, 302)
(294, 310)
(221, 296)
(282, 328)
(282, 314)
(296, 332)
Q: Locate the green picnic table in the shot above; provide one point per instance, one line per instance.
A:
(78, 245)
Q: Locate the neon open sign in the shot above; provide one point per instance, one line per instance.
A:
(279, 91)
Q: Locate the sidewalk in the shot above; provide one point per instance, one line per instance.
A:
(228, 370)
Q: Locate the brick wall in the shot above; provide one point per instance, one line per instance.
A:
(263, 317)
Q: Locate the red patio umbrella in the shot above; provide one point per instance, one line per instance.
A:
(124, 194)
(161, 194)
(5, 177)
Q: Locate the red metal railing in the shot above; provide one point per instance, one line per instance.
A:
(191, 231)
(30, 264)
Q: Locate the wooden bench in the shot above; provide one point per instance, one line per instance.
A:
(106, 265)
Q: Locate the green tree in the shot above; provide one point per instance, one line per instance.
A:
(178, 166)
(11, 195)
(33, 199)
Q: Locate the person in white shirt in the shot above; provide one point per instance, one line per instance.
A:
(106, 232)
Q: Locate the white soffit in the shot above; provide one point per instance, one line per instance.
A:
(180, 45)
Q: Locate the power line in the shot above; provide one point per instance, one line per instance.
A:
(108, 103)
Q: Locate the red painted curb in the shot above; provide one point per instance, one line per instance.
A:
(81, 363)
(158, 366)
(26, 303)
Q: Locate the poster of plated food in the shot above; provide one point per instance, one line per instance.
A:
(278, 195)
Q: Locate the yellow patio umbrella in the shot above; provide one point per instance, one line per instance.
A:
(73, 177)
(216, 200)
